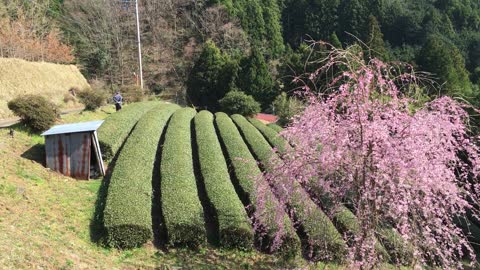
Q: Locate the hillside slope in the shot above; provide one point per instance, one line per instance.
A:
(47, 220)
(20, 77)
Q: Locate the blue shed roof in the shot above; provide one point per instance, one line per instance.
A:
(74, 128)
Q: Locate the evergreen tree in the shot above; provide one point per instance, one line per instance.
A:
(294, 17)
(261, 20)
(335, 41)
(438, 23)
(321, 18)
(272, 16)
(251, 17)
(354, 14)
(254, 79)
(377, 8)
(375, 40)
(211, 77)
(446, 62)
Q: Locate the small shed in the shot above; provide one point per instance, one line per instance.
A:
(74, 150)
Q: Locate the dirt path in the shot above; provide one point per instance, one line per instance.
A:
(12, 121)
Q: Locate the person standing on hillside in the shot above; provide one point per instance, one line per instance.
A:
(118, 100)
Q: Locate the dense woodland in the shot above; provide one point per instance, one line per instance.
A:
(210, 47)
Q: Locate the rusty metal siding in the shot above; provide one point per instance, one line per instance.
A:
(69, 154)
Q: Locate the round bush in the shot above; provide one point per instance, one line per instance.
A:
(35, 111)
(236, 102)
(286, 107)
(92, 99)
(132, 93)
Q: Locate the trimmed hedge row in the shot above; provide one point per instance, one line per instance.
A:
(275, 127)
(347, 223)
(400, 251)
(323, 241)
(271, 135)
(127, 214)
(234, 226)
(246, 171)
(116, 128)
(181, 206)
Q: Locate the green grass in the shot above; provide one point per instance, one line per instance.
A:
(321, 240)
(234, 229)
(116, 128)
(246, 172)
(85, 116)
(127, 215)
(181, 206)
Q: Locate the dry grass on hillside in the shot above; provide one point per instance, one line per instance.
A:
(19, 77)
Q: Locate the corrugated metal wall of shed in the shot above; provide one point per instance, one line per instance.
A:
(69, 154)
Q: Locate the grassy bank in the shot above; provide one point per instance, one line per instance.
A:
(20, 77)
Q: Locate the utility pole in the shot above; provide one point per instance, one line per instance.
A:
(139, 45)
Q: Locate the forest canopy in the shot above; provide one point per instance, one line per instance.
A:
(266, 38)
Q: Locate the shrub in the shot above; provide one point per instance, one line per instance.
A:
(34, 111)
(246, 171)
(322, 242)
(127, 214)
(271, 135)
(275, 127)
(236, 102)
(286, 108)
(116, 128)
(132, 93)
(233, 223)
(92, 99)
(182, 210)
(68, 97)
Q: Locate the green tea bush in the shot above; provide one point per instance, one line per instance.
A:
(127, 214)
(234, 226)
(323, 241)
(237, 102)
(92, 99)
(246, 172)
(347, 223)
(34, 111)
(344, 220)
(116, 128)
(400, 251)
(275, 127)
(181, 207)
(271, 135)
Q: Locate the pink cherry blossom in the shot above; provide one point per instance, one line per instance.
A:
(394, 164)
